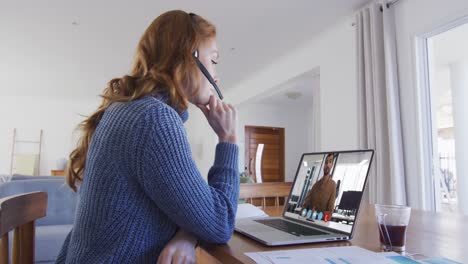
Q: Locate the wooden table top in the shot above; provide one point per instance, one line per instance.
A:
(430, 234)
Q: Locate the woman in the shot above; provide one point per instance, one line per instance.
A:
(141, 194)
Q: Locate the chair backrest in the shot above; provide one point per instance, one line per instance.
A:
(18, 213)
(350, 200)
(265, 190)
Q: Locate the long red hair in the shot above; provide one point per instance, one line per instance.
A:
(163, 64)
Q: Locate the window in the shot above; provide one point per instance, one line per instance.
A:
(446, 67)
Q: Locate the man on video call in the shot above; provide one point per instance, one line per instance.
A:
(322, 195)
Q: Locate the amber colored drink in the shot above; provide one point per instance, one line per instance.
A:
(397, 235)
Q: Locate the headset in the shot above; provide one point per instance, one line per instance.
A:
(207, 74)
(203, 69)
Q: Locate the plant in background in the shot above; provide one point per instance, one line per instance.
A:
(245, 176)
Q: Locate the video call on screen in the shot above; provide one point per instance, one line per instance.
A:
(328, 188)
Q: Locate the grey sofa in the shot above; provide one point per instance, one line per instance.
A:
(21, 177)
(61, 204)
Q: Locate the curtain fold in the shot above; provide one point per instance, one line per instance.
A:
(378, 103)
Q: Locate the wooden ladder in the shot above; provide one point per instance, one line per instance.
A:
(16, 141)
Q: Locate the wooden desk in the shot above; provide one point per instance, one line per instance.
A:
(57, 172)
(429, 234)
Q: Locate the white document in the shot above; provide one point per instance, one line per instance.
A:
(329, 255)
(247, 210)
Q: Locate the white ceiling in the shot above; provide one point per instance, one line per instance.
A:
(302, 85)
(44, 54)
(450, 46)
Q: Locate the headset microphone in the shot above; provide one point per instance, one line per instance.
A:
(207, 74)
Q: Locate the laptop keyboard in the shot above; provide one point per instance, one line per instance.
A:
(290, 227)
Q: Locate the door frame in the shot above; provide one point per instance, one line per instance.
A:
(282, 154)
(428, 131)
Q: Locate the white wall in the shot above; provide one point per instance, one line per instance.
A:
(293, 118)
(56, 116)
(333, 51)
(59, 117)
(202, 140)
(414, 18)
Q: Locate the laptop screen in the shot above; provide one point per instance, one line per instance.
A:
(328, 188)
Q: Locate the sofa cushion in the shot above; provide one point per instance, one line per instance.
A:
(49, 241)
(5, 178)
(21, 177)
(61, 201)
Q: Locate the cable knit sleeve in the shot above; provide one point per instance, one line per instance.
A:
(169, 175)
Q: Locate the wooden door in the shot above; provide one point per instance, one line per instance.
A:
(272, 160)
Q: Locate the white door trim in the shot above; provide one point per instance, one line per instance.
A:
(428, 131)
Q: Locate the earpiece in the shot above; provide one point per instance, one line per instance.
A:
(207, 74)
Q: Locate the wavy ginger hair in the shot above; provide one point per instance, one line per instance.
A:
(163, 65)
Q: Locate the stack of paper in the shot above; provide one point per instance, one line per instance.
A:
(247, 210)
(338, 255)
(330, 255)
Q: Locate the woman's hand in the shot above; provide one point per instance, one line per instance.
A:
(180, 250)
(222, 117)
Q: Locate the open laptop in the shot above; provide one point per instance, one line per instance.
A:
(323, 203)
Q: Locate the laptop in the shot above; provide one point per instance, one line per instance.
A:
(323, 204)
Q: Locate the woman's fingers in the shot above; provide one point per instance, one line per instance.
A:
(165, 257)
(226, 107)
(233, 110)
(222, 117)
(213, 103)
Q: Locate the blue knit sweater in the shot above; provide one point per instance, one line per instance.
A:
(141, 184)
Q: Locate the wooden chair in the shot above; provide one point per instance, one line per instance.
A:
(265, 190)
(19, 213)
